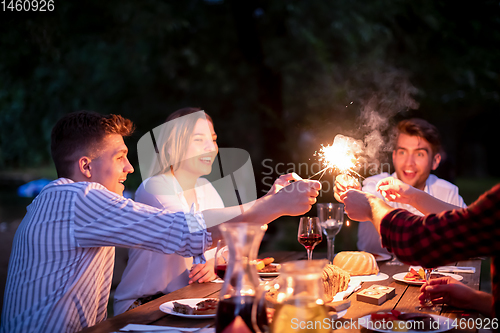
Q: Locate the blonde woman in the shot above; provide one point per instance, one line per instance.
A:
(185, 151)
(190, 148)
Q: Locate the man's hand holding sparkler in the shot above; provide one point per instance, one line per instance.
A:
(393, 189)
(362, 206)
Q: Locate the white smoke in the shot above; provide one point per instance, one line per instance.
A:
(393, 93)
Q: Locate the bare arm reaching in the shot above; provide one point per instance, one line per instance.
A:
(393, 189)
(283, 199)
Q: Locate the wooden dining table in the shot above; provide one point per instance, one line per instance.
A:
(405, 300)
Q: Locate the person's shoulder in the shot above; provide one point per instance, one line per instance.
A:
(204, 182)
(206, 186)
(59, 183)
(158, 179)
(66, 184)
(157, 185)
(210, 193)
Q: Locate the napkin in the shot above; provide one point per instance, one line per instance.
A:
(455, 269)
(449, 269)
(152, 328)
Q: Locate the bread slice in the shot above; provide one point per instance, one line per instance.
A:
(335, 280)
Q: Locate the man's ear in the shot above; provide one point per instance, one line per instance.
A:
(435, 161)
(84, 166)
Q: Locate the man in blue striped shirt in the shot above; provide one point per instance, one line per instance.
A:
(62, 259)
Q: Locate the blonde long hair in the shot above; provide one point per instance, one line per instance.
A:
(175, 136)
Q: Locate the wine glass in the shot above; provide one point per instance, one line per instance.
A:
(428, 305)
(331, 218)
(221, 258)
(309, 234)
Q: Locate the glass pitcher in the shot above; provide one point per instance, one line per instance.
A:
(241, 294)
(300, 306)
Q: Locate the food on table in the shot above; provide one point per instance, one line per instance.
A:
(414, 276)
(335, 280)
(429, 323)
(425, 321)
(269, 269)
(208, 306)
(356, 262)
(385, 316)
(264, 265)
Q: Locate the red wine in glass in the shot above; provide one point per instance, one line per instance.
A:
(220, 259)
(232, 307)
(309, 234)
(220, 270)
(310, 240)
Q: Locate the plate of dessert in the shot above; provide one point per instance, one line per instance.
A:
(415, 277)
(409, 322)
(191, 307)
(267, 268)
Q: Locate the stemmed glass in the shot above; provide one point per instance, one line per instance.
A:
(220, 259)
(428, 305)
(394, 262)
(309, 234)
(331, 218)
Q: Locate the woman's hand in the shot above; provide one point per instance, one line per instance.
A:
(297, 197)
(282, 181)
(202, 272)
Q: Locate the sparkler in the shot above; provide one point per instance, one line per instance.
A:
(341, 156)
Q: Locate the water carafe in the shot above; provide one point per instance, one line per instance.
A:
(299, 300)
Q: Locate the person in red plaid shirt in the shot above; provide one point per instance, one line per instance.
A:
(447, 234)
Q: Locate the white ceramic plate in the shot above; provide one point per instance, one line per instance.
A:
(382, 256)
(271, 273)
(168, 308)
(445, 324)
(401, 278)
(341, 314)
(371, 278)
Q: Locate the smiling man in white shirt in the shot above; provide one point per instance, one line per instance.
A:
(62, 259)
(417, 152)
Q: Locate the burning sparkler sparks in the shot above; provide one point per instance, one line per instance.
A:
(340, 156)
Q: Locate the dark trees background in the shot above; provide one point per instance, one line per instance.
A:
(278, 77)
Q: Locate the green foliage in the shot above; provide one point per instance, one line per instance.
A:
(271, 73)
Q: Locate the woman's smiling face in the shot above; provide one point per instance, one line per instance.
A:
(201, 150)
